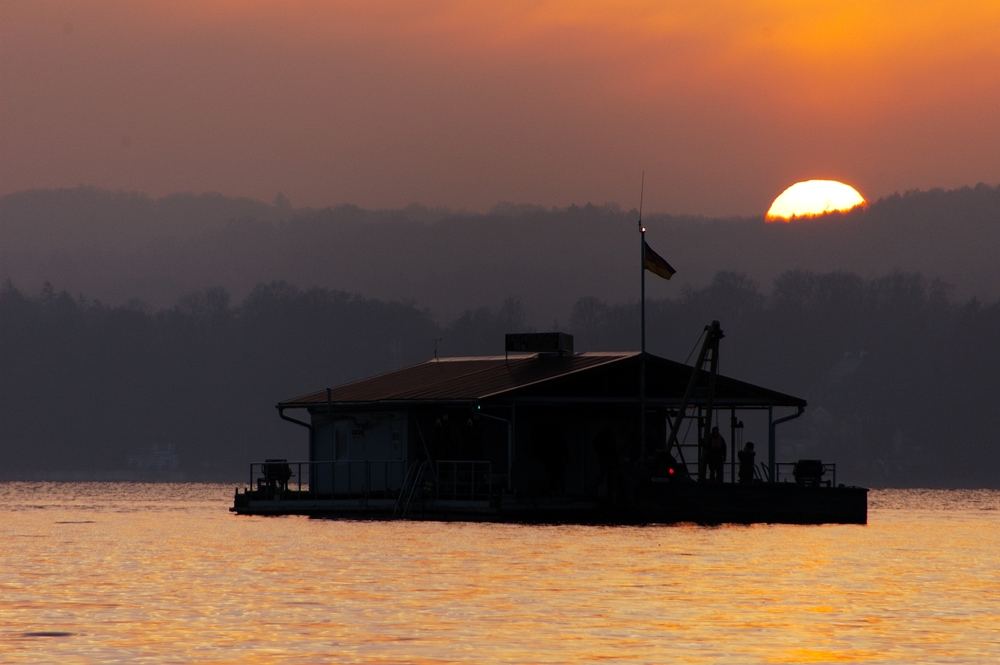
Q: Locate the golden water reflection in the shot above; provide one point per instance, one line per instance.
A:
(138, 572)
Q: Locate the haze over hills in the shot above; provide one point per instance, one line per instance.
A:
(121, 246)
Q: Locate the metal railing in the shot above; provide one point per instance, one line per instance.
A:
(411, 487)
(469, 480)
(327, 478)
(400, 480)
(785, 472)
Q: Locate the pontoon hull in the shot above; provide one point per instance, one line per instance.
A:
(666, 503)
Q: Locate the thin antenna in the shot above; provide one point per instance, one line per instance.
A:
(436, 340)
(642, 191)
(642, 324)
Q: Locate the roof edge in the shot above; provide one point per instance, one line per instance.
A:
(611, 359)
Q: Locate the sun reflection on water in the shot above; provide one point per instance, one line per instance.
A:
(162, 572)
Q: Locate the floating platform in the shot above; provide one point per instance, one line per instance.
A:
(545, 434)
(661, 503)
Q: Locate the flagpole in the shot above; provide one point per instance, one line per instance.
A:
(642, 325)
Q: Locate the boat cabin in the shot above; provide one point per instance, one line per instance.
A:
(539, 426)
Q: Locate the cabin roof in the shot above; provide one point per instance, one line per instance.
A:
(544, 377)
(462, 378)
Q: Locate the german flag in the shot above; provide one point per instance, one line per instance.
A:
(655, 263)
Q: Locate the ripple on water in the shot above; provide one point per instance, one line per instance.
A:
(918, 584)
(47, 633)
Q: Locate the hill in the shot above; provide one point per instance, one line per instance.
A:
(119, 246)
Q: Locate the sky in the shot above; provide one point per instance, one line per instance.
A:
(467, 104)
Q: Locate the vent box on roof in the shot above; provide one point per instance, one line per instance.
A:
(547, 342)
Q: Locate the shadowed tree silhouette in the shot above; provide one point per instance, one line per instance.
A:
(900, 377)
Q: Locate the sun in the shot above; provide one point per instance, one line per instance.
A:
(811, 198)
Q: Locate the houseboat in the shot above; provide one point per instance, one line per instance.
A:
(542, 433)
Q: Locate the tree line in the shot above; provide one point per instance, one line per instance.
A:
(898, 372)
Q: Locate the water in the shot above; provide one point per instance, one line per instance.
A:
(93, 572)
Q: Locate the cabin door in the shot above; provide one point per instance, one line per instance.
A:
(328, 456)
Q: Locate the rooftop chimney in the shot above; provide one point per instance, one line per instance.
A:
(558, 343)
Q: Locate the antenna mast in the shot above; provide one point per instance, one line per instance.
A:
(642, 324)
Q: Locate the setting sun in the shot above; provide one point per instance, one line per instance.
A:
(811, 198)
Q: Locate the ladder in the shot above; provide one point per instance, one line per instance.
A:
(708, 361)
(411, 485)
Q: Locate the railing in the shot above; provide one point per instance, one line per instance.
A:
(412, 484)
(400, 480)
(785, 472)
(328, 478)
(469, 480)
(276, 474)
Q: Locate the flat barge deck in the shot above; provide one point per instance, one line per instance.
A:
(779, 503)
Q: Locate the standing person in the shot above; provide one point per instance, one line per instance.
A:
(716, 455)
(747, 456)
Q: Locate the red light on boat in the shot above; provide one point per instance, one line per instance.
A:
(671, 471)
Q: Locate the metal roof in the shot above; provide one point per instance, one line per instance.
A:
(474, 378)
(466, 378)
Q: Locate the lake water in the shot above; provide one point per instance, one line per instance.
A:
(93, 572)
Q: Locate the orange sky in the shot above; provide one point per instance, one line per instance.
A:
(468, 103)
